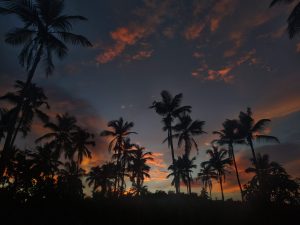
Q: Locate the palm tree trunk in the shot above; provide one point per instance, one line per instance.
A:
(189, 184)
(173, 158)
(8, 141)
(236, 170)
(221, 185)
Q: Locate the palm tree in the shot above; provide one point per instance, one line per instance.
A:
(61, 135)
(293, 19)
(251, 131)
(44, 161)
(139, 168)
(276, 184)
(229, 135)
(185, 130)
(188, 165)
(169, 108)
(218, 162)
(69, 180)
(120, 130)
(206, 175)
(32, 100)
(81, 139)
(45, 31)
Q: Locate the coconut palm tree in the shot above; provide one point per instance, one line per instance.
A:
(188, 166)
(185, 130)
(206, 175)
(61, 135)
(251, 131)
(139, 168)
(218, 162)
(229, 135)
(169, 108)
(293, 19)
(32, 100)
(120, 130)
(81, 139)
(45, 30)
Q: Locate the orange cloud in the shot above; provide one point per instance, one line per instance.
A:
(193, 31)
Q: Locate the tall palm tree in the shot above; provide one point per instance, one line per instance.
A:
(229, 135)
(169, 108)
(206, 175)
(139, 167)
(251, 131)
(45, 30)
(120, 130)
(81, 139)
(293, 19)
(61, 135)
(185, 130)
(218, 161)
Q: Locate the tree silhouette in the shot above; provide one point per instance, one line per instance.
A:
(45, 31)
(139, 168)
(218, 162)
(229, 135)
(81, 139)
(293, 19)
(120, 130)
(251, 131)
(276, 184)
(206, 175)
(32, 100)
(61, 135)
(185, 130)
(169, 108)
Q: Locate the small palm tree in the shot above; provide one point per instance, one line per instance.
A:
(45, 31)
(81, 139)
(206, 175)
(218, 162)
(139, 168)
(169, 108)
(188, 166)
(120, 130)
(185, 130)
(293, 19)
(251, 131)
(230, 135)
(61, 135)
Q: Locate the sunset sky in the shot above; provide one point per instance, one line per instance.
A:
(223, 55)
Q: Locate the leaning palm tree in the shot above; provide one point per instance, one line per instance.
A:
(45, 30)
(251, 131)
(206, 175)
(218, 162)
(293, 19)
(81, 139)
(229, 135)
(169, 108)
(139, 168)
(185, 130)
(61, 135)
(120, 130)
